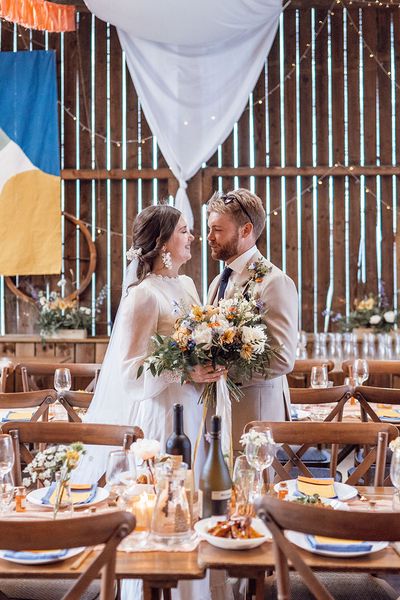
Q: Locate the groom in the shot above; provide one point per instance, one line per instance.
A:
(236, 220)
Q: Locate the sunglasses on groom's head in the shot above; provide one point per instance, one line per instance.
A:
(228, 198)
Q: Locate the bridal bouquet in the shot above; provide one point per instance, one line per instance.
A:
(231, 334)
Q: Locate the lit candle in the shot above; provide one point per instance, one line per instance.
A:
(142, 507)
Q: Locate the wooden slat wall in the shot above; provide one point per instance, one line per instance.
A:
(302, 233)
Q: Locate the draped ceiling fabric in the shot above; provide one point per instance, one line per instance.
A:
(193, 65)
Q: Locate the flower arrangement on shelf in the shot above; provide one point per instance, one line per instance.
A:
(56, 312)
(231, 334)
(370, 312)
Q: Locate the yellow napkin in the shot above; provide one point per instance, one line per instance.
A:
(310, 486)
(321, 539)
(78, 497)
(19, 415)
(388, 413)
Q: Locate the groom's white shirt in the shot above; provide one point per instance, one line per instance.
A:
(265, 399)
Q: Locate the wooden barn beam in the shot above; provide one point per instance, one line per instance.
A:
(165, 173)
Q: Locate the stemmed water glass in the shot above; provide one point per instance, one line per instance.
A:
(395, 477)
(6, 463)
(62, 380)
(360, 370)
(120, 472)
(243, 480)
(260, 453)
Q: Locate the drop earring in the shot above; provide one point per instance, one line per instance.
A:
(166, 258)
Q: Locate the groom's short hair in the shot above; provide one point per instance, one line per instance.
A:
(242, 205)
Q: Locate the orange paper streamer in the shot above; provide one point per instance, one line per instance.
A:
(39, 14)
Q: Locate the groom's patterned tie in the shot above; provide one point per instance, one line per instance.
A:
(223, 282)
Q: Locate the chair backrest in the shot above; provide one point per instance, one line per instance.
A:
(374, 436)
(338, 394)
(3, 378)
(71, 400)
(381, 372)
(79, 371)
(39, 398)
(302, 370)
(280, 516)
(108, 529)
(368, 394)
(56, 432)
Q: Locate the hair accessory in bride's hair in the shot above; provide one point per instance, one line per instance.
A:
(134, 253)
(166, 258)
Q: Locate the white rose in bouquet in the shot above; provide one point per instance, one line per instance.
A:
(255, 336)
(146, 449)
(203, 335)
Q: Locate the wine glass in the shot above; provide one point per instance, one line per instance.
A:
(62, 380)
(395, 477)
(360, 370)
(120, 472)
(319, 377)
(6, 456)
(260, 453)
(6, 493)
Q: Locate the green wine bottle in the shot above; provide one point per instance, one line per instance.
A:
(215, 481)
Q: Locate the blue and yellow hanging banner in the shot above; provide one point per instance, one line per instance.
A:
(30, 185)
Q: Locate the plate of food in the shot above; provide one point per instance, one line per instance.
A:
(39, 557)
(82, 495)
(325, 487)
(332, 546)
(237, 533)
(316, 500)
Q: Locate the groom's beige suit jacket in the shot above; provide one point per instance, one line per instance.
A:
(266, 400)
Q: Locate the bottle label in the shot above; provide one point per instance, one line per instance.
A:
(221, 495)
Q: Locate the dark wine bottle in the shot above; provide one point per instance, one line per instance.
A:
(215, 481)
(178, 444)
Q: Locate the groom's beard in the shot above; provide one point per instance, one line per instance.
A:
(227, 250)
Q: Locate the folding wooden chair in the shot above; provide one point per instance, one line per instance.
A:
(338, 394)
(28, 371)
(300, 375)
(107, 529)
(374, 436)
(22, 400)
(71, 400)
(290, 516)
(367, 395)
(57, 432)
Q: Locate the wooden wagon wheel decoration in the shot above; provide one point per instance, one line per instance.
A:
(86, 279)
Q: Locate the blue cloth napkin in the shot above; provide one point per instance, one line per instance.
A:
(51, 488)
(359, 547)
(294, 414)
(390, 419)
(26, 555)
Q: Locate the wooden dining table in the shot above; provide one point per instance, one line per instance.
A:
(163, 570)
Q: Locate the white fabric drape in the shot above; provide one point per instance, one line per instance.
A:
(193, 65)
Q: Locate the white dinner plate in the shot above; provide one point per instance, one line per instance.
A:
(36, 497)
(300, 539)
(202, 527)
(343, 491)
(41, 561)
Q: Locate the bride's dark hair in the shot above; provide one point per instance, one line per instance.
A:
(152, 229)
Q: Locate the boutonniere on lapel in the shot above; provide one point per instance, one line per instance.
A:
(258, 270)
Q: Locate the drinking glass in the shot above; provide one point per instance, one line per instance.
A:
(395, 477)
(6, 493)
(243, 479)
(6, 456)
(360, 370)
(260, 454)
(62, 380)
(120, 472)
(319, 377)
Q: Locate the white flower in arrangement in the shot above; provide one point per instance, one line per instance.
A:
(255, 336)
(389, 316)
(395, 444)
(146, 449)
(203, 335)
(375, 319)
(258, 438)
